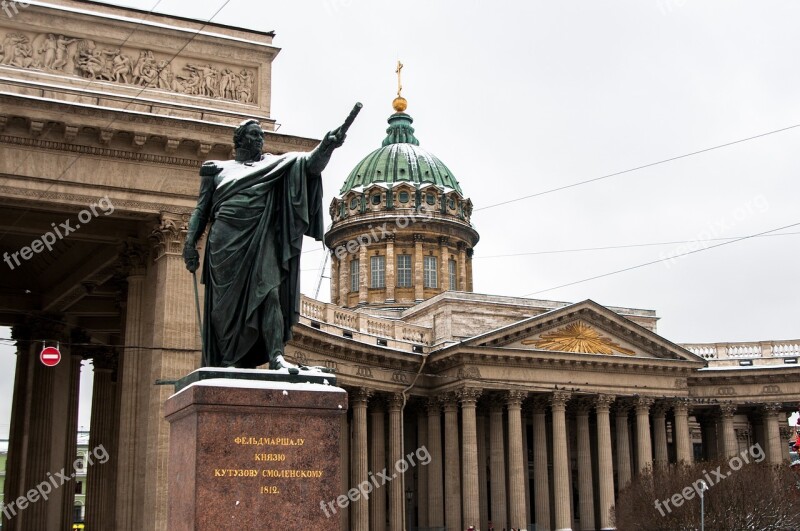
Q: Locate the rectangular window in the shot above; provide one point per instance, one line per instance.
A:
(451, 267)
(404, 271)
(354, 265)
(377, 267)
(431, 278)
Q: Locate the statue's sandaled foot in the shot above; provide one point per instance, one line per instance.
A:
(280, 363)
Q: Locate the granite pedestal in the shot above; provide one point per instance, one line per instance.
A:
(253, 455)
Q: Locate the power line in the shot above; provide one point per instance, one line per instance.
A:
(629, 246)
(660, 260)
(637, 168)
(129, 103)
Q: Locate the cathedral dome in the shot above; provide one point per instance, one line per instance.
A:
(400, 159)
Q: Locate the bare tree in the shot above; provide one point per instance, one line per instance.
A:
(753, 496)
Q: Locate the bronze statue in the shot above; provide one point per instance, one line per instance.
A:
(260, 206)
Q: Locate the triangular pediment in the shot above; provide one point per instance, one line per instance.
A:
(585, 328)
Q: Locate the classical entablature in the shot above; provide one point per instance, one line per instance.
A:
(747, 385)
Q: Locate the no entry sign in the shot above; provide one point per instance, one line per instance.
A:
(50, 356)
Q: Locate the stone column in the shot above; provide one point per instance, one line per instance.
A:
(623, 444)
(71, 393)
(391, 270)
(561, 469)
(497, 465)
(377, 462)
(644, 449)
(344, 280)
(541, 479)
(435, 480)
(683, 443)
(452, 471)
(422, 472)
(661, 458)
(174, 334)
(483, 460)
(526, 465)
(131, 441)
(363, 275)
(772, 433)
(731, 447)
(100, 479)
(20, 410)
(344, 459)
(708, 427)
(585, 484)
(359, 510)
(397, 504)
(469, 446)
(605, 465)
(786, 434)
(516, 474)
(418, 267)
(468, 271)
(334, 278)
(462, 271)
(444, 267)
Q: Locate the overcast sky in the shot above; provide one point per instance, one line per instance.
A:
(518, 98)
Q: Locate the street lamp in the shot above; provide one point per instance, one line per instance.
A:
(703, 488)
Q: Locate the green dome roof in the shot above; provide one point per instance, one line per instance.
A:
(400, 160)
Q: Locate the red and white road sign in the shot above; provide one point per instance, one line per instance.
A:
(50, 356)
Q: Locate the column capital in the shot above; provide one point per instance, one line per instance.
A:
(602, 403)
(727, 410)
(643, 404)
(558, 399)
(105, 360)
(417, 237)
(133, 256)
(622, 407)
(169, 236)
(395, 401)
(449, 401)
(660, 408)
(468, 396)
(444, 240)
(361, 395)
(582, 406)
(390, 237)
(681, 406)
(515, 397)
(771, 408)
(539, 404)
(433, 405)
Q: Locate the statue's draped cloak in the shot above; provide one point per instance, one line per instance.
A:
(252, 258)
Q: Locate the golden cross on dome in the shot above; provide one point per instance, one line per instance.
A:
(399, 78)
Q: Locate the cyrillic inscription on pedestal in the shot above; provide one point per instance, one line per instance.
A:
(252, 455)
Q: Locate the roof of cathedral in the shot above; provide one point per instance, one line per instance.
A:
(400, 159)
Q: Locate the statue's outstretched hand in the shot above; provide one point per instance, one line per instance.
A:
(191, 258)
(334, 139)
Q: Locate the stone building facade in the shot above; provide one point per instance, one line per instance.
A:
(532, 411)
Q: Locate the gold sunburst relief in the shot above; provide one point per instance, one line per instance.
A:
(578, 337)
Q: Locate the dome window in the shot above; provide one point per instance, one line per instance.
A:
(376, 199)
(452, 204)
(403, 197)
(353, 203)
(430, 199)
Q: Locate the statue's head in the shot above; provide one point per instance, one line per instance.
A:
(249, 137)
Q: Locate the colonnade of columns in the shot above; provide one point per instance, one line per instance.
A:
(477, 444)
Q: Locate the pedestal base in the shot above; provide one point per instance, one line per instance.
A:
(253, 455)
